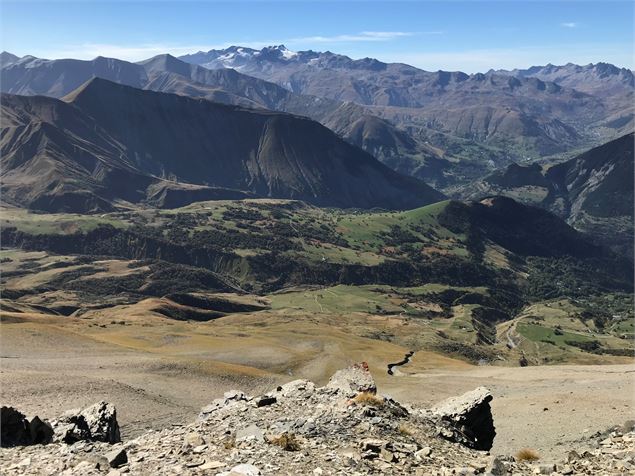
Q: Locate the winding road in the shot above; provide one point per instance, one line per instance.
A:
(405, 360)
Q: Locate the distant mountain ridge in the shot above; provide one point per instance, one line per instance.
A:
(251, 61)
(535, 111)
(600, 78)
(106, 143)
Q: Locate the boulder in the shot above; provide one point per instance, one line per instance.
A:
(71, 427)
(14, 427)
(102, 422)
(467, 419)
(97, 423)
(17, 430)
(353, 380)
(41, 432)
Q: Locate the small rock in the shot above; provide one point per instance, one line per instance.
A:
(265, 400)
(116, 457)
(423, 452)
(212, 465)
(195, 464)
(199, 449)
(373, 445)
(478, 466)
(387, 455)
(252, 432)
(496, 467)
(545, 469)
(566, 470)
(244, 470)
(194, 439)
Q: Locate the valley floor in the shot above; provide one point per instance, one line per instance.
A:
(51, 364)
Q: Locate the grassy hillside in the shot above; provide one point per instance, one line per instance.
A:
(453, 278)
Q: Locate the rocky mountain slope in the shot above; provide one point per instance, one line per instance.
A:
(593, 191)
(298, 428)
(108, 142)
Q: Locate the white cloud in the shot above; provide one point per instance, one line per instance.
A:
(569, 24)
(357, 37)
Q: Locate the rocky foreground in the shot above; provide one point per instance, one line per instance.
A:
(343, 428)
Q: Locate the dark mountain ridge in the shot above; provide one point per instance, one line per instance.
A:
(165, 73)
(107, 142)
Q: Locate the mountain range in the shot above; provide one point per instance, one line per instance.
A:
(106, 143)
(447, 128)
(544, 112)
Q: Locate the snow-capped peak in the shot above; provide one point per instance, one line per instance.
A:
(278, 52)
(287, 53)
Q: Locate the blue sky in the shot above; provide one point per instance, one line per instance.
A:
(452, 35)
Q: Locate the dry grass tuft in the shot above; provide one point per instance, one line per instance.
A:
(367, 398)
(286, 441)
(405, 430)
(229, 443)
(527, 454)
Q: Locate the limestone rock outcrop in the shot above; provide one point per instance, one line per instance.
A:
(468, 419)
(97, 422)
(341, 428)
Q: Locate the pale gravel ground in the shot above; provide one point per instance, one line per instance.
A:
(46, 372)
